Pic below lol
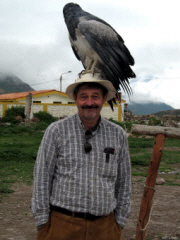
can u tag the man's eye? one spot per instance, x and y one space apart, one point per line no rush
95 97
83 97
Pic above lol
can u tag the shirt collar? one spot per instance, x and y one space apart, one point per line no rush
94 131
79 122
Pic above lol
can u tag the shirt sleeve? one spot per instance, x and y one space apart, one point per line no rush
123 185
43 172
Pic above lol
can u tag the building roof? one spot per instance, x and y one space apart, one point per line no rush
13 96
22 95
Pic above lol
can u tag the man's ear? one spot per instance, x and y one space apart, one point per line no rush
105 98
74 96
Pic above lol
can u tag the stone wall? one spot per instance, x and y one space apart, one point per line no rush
106 112
61 110
37 108
68 110
12 105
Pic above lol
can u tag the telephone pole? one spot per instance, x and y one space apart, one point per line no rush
61 79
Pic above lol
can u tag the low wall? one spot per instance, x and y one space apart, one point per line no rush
60 110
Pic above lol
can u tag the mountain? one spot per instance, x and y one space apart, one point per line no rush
9 83
148 108
168 112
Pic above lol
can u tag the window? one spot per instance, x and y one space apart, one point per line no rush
36 101
57 102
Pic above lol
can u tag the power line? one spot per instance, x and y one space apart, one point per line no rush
58 80
44 82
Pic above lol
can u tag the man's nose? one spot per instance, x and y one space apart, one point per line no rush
89 101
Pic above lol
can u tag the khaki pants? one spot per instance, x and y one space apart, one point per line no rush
63 227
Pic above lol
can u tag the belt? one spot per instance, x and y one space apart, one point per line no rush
86 216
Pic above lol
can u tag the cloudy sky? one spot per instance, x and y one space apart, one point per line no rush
34 43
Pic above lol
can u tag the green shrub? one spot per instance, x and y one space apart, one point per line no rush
45 117
125 125
154 121
13 112
128 125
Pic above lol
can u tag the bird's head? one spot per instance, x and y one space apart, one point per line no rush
71 8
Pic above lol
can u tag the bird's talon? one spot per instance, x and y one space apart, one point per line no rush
82 72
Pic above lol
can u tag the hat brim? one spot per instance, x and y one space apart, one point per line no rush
105 83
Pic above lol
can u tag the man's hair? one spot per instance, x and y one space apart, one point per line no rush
91 85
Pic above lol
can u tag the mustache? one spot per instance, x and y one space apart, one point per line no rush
90 107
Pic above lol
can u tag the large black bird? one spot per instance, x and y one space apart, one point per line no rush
99 47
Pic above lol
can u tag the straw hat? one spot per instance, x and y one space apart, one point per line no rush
97 78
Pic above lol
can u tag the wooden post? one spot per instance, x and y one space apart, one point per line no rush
160 134
28 106
148 194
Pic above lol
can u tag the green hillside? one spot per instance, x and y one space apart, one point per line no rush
148 108
10 84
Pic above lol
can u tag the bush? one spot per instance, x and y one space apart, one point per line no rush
13 112
154 121
125 125
45 117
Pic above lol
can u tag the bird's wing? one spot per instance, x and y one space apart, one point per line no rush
112 51
75 53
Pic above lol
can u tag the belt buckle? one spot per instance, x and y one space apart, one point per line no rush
86 215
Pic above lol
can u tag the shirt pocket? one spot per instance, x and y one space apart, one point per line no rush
69 160
108 165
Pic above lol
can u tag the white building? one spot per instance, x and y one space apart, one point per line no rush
56 103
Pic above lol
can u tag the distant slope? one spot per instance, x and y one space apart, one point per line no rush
148 108
10 84
169 112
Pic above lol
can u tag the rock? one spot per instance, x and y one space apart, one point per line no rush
35 119
19 118
165 238
133 237
177 171
178 234
160 181
7 124
62 117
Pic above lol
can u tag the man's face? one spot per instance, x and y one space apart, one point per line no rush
89 103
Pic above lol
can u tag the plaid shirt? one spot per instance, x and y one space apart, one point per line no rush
66 176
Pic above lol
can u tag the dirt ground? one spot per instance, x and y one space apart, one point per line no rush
17 223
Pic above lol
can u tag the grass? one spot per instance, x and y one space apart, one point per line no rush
141 151
19 145
171 157
172 183
171 142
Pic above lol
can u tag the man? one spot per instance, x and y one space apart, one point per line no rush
82 179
